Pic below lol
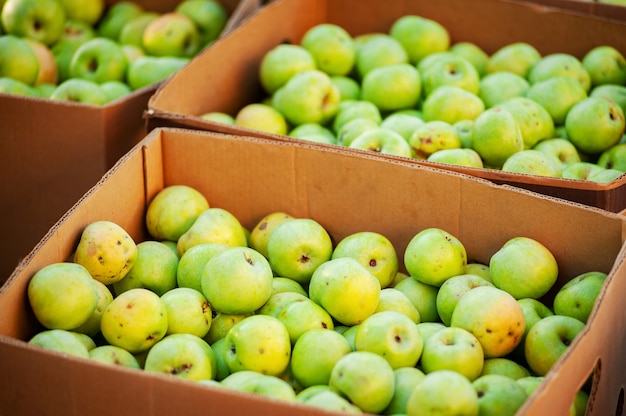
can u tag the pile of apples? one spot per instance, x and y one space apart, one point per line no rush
413 93
81 51
282 310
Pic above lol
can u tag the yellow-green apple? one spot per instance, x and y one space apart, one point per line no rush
423 296
604 175
192 262
614 157
579 170
391 299
261 384
314 355
135 320
285 284
496 135
18 60
532 162
132 53
433 255
499 395
420 36
332 47
455 349
62 295
473 53
115 17
577 297
351 110
74 34
533 310
405 380
524 267
106 250
132 31
557 95
500 86
261 231
392 87
182 355
261 117
115 89
345 289
615 92
459 156
296 248
313 131
171 34
559 64
60 340
533 119
464 128
428 60
81 91
110 354
561 150
595 124
433 136
402 123
451 104
218 117
353 129
478 268
48 70
154 268
99 60
188 312
366 379
282 62
221 369
350 334
605 65
450 70
504 367
221 324
307 97
393 336
88 11
214 225
376 51
91 326
209 16
445 391
548 339
40 20
493 316
259 343
516 57
16 87
237 281
382 140
452 290
349 88
322 396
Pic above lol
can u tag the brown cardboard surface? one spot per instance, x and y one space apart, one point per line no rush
595 8
488 23
51 153
346 192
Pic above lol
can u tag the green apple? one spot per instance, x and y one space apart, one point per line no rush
532 162
614 157
559 64
313 131
154 268
459 157
261 384
454 349
115 89
132 53
314 355
353 128
237 281
433 255
192 262
402 123
332 47
393 336
135 320
285 284
616 93
548 339
16 87
533 310
366 379
258 343
281 62
423 297
428 60
60 340
218 117
171 34
18 60
115 17
504 367
221 324
405 380
359 109
213 225
188 312
450 70
595 124
148 70
392 87
533 119
80 91
524 267
40 20
493 316
452 290
577 297
350 335
433 136
604 175
99 59
605 65
324 397
451 104
391 299
579 170
91 326
221 369
132 31
349 88
106 250
499 395
496 136
560 150
516 57
262 117
465 130
382 140
443 392
209 16
182 355
62 295
74 35
296 248
473 53
500 86
345 289
88 11
112 355
420 36
478 268
557 95
376 51
48 70
261 231
307 97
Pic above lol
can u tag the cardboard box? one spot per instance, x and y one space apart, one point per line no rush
594 8
345 192
52 152
234 83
